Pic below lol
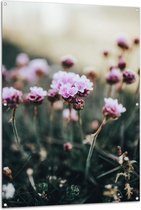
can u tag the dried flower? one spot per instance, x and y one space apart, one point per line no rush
36 95
112 108
129 77
68 147
11 96
68 61
114 76
8 191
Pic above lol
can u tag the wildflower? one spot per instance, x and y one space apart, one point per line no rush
52 95
122 43
68 61
70 115
136 41
78 104
114 76
8 191
27 74
11 96
121 63
39 67
84 86
22 59
36 95
112 108
67 90
68 147
129 77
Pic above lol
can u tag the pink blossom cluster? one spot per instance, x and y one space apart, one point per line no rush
69 85
36 95
11 96
112 108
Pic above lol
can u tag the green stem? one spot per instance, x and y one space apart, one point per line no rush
95 135
80 124
13 121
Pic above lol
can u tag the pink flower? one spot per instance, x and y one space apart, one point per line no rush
36 95
121 63
70 115
68 61
52 95
27 74
22 59
68 147
129 76
67 90
122 42
114 76
39 66
112 108
11 96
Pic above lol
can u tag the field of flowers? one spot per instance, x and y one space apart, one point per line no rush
69 136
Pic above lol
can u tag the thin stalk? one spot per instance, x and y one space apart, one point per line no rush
95 135
13 121
36 126
80 124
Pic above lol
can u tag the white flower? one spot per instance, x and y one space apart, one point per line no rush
8 191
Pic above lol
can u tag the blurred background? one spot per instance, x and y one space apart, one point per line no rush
51 30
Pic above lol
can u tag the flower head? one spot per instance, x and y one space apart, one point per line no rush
36 95
39 66
22 59
68 147
121 63
129 76
68 61
114 76
122 43
78 104
11 96
112 108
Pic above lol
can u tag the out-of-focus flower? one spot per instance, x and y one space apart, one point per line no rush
58 105
122 43
39 67
68 61
36 95
112 108
94 124
78 104
70 114
129 76
5 73
22 59
68 147
105 53
114 76
27 74
7 172
8 191
52 95
90 73
121 63
19 85
11 96
136 41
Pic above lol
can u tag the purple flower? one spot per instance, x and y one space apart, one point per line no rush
68 61
70 114
114 76
121 63
36 95
112 108
11 96
22 59
53 95
68 85
122 43
129 76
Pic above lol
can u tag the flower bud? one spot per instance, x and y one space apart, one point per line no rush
78 104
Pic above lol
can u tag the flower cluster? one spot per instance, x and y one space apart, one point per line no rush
11 96
112 108
71 86
36 95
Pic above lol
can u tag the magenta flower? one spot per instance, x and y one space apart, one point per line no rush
70 114
36 95
68 147
129 77
114 76
112 108
53 95
11 96
122 43
68 61
22 59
